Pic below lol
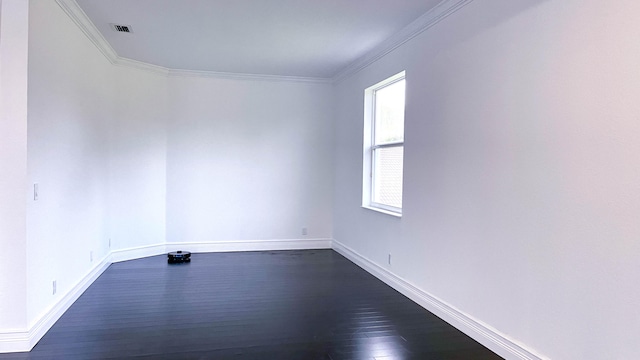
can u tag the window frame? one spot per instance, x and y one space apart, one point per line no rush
370 147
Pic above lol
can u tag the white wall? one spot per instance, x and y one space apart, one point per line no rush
70 108
137 169
521 178
248 160
94 137
97 147
522 174
14 20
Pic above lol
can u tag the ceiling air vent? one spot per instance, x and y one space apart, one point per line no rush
122 28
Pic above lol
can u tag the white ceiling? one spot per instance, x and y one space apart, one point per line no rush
302 38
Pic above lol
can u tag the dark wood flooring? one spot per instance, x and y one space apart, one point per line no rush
311 304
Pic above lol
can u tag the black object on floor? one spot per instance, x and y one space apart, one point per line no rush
179 257
311 304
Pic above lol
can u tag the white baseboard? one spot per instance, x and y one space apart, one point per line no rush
250 245
219 246
19 341
477 330
14 341
137 252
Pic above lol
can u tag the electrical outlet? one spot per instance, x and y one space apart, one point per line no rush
35 192
91 256
304 231
109 243
55 287
389 260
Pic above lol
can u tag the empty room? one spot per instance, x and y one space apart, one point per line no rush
361 179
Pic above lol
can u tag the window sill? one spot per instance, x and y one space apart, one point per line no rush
392 213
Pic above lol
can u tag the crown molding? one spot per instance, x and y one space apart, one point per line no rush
421 24
75 12
161 70
141 65
239 76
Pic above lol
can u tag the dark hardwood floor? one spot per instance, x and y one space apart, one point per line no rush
311 304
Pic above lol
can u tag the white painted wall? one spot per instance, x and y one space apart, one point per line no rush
137 170
14 34
248 160
522 174
98 139
71 101
521 180
94 137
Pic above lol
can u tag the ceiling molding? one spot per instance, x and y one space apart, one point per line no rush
75 12
141 65
424 22
237 76
421 24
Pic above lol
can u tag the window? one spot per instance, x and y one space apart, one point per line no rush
384 145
